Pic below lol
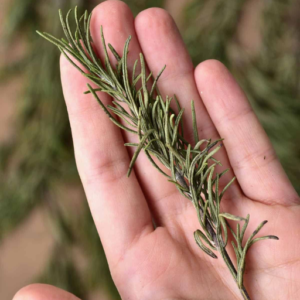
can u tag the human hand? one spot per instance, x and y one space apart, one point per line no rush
165 263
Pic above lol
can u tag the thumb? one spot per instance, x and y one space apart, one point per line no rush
43 292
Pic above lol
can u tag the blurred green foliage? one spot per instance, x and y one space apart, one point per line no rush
39 159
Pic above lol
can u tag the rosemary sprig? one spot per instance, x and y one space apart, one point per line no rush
160 132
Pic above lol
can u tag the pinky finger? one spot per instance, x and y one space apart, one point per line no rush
254 161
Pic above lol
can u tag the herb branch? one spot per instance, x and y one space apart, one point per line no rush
161 135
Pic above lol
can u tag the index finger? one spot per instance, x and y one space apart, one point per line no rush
117 203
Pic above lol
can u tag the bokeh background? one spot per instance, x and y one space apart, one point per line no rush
46 231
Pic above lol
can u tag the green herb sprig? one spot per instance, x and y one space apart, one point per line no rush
161 135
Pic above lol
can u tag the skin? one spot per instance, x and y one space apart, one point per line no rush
165 263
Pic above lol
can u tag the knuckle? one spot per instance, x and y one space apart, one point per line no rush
107 170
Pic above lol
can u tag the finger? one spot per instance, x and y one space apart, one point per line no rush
118 206
251 154
116 31
43 292
162 45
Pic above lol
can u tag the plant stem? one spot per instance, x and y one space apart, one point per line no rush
223 253
228 262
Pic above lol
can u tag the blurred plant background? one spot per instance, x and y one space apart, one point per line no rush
46 230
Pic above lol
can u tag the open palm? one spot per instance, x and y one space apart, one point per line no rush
165 262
